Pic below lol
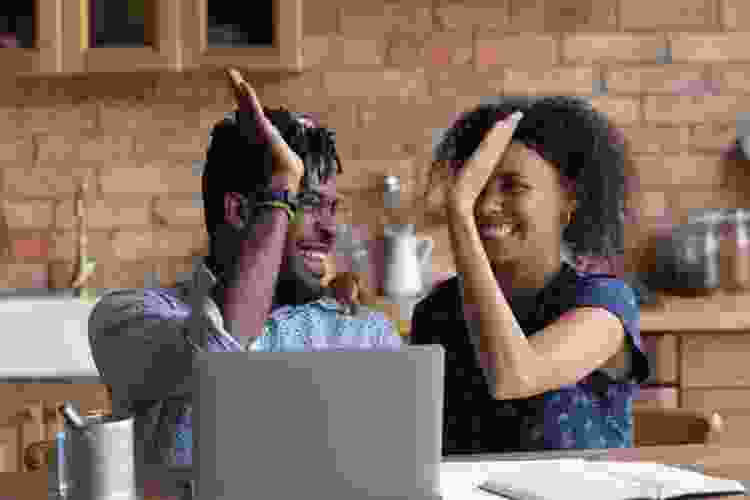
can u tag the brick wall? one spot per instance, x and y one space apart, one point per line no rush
387 76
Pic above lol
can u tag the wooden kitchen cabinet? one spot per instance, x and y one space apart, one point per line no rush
170 35
159 49
28 414
283 54
45 54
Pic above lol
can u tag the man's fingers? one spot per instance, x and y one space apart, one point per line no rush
244 94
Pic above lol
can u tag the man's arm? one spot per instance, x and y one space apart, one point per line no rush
246 305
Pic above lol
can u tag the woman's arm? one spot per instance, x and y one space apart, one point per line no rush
561 354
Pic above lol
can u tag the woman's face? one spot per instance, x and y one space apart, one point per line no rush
524 194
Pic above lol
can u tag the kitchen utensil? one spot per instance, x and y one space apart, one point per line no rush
99 458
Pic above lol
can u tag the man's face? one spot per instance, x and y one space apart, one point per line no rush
311 240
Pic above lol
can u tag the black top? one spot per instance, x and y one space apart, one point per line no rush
594 413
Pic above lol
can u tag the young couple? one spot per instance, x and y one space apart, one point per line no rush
538 355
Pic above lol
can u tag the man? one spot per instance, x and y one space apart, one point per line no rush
259 289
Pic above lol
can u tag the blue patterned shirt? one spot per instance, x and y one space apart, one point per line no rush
143 342
595 412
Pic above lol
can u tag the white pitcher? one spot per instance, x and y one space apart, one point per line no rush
405 261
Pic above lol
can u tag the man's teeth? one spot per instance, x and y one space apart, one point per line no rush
309 254
505 229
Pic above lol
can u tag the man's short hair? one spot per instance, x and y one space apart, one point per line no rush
237 162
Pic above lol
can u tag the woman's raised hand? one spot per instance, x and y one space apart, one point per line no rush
287 165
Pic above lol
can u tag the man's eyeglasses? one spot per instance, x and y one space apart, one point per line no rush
314 204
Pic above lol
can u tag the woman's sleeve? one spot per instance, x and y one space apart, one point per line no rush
618 298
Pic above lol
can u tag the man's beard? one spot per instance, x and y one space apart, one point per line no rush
296 285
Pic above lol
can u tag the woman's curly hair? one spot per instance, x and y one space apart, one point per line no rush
581 142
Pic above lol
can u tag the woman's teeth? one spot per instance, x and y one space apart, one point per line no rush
499 231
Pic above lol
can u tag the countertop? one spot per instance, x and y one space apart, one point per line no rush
720 461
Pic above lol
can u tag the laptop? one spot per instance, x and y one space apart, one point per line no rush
349 425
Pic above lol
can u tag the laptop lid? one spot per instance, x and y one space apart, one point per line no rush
326 424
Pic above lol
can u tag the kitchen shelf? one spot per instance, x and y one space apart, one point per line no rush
722 311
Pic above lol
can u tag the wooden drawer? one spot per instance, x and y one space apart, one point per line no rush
662 351
715 360
715 399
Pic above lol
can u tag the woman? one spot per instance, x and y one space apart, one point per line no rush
538 355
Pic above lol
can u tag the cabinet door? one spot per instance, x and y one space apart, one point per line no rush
266 36
121 35
715 360
31 37
20 427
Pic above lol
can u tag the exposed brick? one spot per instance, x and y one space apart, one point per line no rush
98 87
621 110
127 118
28 214
18 151
387 83
296 91
23 275
137 245
667 79
657 139
174 270
61 119
332 52
683 170
173 145
712 137
647 14
734 79
563 15
197 86
379 18
683 201
686 109
322 19
318 50
394 130
464 84
653 204
65 245
54 150
109 273
368 175
735 14
477 13
361 51
710 48
435 49
550 81
44 182
154 178
31 247
178 212
515 50
596 48
106 213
